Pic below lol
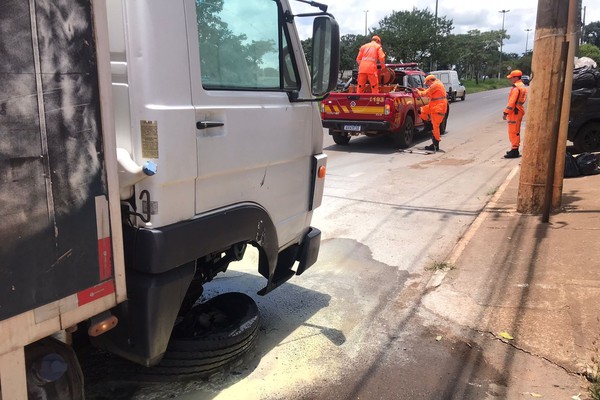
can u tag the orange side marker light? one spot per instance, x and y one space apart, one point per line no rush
322 171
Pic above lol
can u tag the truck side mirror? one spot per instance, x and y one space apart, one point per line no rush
325 55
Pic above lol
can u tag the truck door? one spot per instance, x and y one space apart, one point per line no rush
253 143
416 81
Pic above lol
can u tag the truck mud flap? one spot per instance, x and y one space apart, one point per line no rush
306 253
147 317
310 250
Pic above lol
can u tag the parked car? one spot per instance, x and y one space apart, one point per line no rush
525 79
453 86
584 121
584 115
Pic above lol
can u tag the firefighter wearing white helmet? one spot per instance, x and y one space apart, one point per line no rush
435 111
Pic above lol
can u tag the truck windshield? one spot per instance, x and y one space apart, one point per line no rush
240 46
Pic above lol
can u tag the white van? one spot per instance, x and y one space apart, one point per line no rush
453 86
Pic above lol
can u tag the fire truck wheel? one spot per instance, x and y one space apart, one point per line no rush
53 371
340 138
403 138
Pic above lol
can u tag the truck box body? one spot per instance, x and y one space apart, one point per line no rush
54 186
61 259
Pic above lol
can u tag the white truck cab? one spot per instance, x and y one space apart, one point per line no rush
215 95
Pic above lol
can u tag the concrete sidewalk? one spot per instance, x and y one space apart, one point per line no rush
538 282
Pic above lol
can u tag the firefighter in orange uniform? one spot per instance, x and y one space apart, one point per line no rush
435 111
514 112
367 64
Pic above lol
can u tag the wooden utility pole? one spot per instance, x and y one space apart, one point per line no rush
573 32
543 107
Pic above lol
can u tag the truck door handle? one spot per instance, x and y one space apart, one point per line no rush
208 124
353 97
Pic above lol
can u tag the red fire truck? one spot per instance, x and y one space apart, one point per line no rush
393 111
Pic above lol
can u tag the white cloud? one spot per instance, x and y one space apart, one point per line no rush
466 15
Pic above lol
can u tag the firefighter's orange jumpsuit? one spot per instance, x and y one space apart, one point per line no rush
367 65
514 112
435 111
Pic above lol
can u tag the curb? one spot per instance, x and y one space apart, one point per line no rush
438 276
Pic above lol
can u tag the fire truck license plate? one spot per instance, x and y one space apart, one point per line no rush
354 128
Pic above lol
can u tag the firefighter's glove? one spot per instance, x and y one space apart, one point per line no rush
504 116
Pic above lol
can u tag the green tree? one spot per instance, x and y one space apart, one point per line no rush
349 46
524 63
413 36
475 53
258 48
217 40
591 51
307 48
591 33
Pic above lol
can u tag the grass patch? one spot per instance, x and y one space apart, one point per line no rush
595 389
440 266
593 373
483 85
492 191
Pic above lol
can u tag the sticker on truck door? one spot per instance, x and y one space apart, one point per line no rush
149 133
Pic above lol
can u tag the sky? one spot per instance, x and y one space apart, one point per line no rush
465 15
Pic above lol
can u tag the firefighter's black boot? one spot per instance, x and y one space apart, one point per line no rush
514 153
434 146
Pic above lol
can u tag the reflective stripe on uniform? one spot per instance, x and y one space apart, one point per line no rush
437 98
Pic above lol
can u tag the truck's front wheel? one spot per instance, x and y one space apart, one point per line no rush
403 138
340 138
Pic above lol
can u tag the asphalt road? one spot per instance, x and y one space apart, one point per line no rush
353 326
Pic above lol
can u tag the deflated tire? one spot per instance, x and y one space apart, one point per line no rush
212 337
